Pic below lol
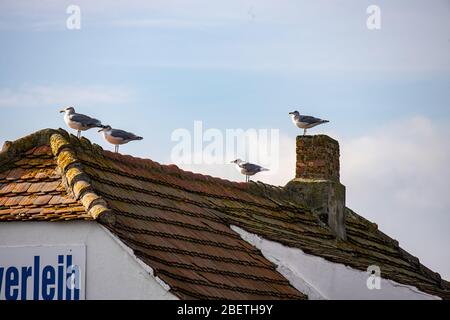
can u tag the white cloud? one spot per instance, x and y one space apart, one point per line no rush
409 159
399 177
56 95
286 169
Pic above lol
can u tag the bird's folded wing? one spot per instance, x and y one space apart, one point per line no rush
123 134
309 119
86 120
250 167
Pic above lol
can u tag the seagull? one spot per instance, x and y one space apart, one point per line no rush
78 121
305 122
248 169
117 136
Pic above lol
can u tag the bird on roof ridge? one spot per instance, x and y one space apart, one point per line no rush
78 121
305 122
248 169
117 136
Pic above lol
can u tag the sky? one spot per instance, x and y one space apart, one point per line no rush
155 67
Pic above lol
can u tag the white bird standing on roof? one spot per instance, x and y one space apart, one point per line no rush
78 121
117 136
248 169
305 122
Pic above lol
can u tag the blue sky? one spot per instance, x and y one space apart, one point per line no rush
154 66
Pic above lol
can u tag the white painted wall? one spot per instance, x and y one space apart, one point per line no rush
113 272
321 279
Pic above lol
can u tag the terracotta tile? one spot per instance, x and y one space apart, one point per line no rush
36 187
28 174
4 174
33 211
6 188
15 174
59 199
5 212
42 150
13 201
41 175
50 186
3 200
21 187
30 151
42 200
27 200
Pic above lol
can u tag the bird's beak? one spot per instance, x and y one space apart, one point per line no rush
61 111
231 161
101 129
290 112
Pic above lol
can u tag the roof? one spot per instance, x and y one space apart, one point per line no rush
178 222
31 188
52 176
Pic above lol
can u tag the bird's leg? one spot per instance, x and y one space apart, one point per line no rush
79 134
116 148
304 132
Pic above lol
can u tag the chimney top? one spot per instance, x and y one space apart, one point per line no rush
317 158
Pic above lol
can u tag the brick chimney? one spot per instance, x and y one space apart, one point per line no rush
316 182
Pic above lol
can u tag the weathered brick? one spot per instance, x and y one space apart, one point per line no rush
317 158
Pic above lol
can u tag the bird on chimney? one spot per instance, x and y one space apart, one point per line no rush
117 136
248 169
305 122
78 121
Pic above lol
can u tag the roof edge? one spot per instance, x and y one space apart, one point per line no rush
440 282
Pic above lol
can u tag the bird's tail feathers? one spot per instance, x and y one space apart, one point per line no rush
264 169
138 138
324 121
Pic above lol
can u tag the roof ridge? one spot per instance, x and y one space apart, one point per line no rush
283 197
171 169
43 136
275 194
75 179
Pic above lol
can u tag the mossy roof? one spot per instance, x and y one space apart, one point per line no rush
51 176
178 222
